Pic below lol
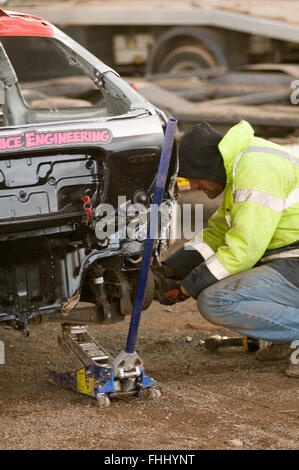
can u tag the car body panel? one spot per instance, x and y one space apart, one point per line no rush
53 158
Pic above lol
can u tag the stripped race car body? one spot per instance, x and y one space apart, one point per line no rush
61 169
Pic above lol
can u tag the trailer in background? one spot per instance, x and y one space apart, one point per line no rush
154 36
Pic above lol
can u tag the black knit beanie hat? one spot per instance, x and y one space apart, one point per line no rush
199 156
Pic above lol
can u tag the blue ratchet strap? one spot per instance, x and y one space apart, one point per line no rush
152 229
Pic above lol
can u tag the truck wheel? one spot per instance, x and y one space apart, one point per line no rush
184 48
186 59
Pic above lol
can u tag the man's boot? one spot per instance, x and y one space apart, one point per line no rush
274 352
167 290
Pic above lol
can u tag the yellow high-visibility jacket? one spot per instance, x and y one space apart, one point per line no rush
260 210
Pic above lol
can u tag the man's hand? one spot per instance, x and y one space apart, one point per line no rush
184 291
168 291
173 296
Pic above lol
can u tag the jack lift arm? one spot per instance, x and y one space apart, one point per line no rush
99 375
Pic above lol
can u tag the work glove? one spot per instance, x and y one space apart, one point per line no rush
167 290
172 297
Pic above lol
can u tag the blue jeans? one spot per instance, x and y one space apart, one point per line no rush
259 303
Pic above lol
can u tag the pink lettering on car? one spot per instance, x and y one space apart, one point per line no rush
48 139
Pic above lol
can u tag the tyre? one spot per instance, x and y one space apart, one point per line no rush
186 59
149 291
183 49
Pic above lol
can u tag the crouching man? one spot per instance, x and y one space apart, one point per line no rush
244 268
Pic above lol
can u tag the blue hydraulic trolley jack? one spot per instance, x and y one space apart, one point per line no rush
98 374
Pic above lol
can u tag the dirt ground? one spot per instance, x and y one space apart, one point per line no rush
226 400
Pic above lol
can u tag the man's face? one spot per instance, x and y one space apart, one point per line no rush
211 188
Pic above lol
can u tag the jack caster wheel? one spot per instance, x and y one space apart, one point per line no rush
154 393
103 401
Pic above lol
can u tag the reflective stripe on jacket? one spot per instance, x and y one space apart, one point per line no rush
260 210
